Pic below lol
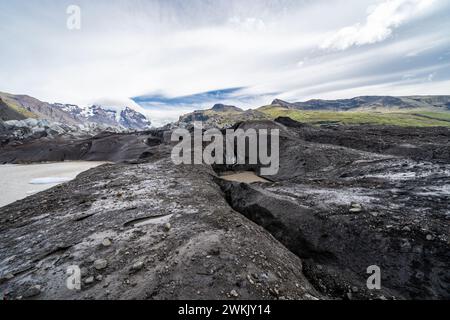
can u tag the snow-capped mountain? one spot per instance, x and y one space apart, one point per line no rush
123 117
21 107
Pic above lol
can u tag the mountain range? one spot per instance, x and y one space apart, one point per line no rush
21 107
411 111
380 110
370 103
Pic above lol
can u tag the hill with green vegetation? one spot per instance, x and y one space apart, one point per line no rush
11 110
21 107
404 117
411 111
221 116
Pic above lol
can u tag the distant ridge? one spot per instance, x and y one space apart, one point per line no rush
225 108
370 102
409 111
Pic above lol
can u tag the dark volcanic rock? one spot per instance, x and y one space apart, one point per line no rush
344 199
429 144
342 210
208 251
115 147
342 242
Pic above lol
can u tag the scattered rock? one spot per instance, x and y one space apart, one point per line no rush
234 293
137 266
167 227
8 276
100 264
355 210
275 292
106 242
33 291
89 280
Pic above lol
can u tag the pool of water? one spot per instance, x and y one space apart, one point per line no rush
245 177
20 181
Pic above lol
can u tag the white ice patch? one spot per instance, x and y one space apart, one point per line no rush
87 112
50 180
394 176
343 196
409 175
157 220
435 191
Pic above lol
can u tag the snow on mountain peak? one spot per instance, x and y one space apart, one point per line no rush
120 104
126 117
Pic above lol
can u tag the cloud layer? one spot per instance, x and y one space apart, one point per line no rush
379 25
171 49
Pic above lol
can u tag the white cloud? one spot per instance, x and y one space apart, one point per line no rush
179 48
379 25
392 88
163 115
248 24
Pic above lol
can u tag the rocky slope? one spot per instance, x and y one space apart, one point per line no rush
220 116
342 209
148 231
125 118
108 146
371 102
17 132
8 113
144 228
20 107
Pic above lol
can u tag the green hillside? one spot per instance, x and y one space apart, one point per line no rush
14 107
409 118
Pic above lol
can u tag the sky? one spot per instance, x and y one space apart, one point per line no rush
174 56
